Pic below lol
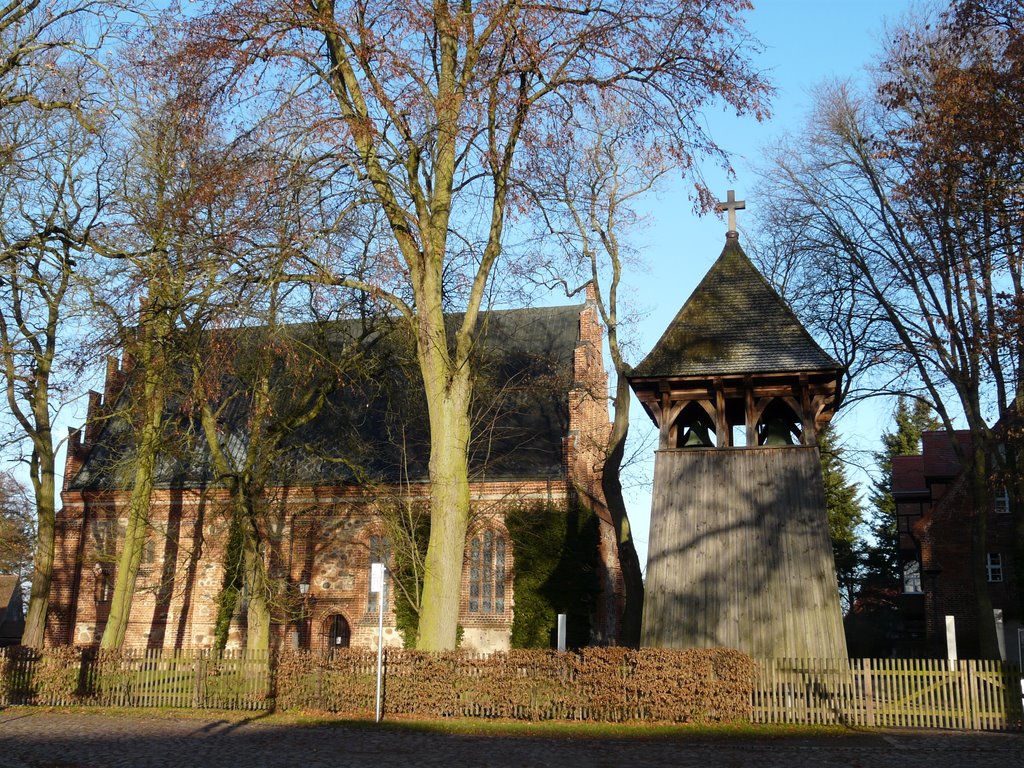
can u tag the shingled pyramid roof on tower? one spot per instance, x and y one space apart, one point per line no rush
734 323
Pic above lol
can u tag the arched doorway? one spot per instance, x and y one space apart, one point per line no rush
336 632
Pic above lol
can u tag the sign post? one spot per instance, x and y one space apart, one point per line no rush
951 642
377 571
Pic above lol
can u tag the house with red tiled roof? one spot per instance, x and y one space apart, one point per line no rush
938 557
12 610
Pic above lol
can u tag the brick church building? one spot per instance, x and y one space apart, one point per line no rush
542 419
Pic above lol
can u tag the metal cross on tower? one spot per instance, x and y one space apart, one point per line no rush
731 204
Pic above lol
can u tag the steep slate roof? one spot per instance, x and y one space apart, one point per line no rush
374 425
734 322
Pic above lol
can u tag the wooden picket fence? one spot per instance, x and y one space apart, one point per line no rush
199 679
893 693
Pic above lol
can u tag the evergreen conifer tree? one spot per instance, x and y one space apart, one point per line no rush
844 515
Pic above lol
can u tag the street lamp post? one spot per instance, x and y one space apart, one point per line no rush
377 573
305 617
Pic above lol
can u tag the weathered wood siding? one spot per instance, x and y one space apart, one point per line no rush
739 554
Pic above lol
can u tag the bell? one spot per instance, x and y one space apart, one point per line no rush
777 432
697 437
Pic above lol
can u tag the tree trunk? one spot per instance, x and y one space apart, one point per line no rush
257 635
44 480
1015 491
154 393
44 486
449 514
988 645
611 485
234 578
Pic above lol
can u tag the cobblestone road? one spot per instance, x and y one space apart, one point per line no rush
31 738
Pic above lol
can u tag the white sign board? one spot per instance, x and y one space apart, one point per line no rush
376 577
997 615
951 641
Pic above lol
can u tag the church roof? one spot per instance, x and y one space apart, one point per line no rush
734 323
373 426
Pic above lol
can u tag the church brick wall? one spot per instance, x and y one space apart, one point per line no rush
321 537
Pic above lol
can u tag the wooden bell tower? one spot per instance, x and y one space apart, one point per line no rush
739 551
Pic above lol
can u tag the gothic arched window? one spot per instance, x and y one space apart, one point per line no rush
487 572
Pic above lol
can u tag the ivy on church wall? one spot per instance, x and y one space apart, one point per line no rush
555 550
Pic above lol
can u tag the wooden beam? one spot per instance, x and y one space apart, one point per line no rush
807 416
665 423
749 415
723 434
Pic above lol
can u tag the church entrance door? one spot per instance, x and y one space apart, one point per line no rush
336 632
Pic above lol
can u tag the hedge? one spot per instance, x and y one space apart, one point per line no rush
595 684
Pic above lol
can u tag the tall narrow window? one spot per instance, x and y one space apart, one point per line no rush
486 570
380 552
474 575
499 575
487 573
104 584
994 566
912 576
149 551
1001 501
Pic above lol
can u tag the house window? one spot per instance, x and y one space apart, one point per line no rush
994 566
1002 501
380 552
487 573
912 576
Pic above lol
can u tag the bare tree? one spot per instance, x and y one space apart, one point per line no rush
587 205
169 241
49 206
51 103
38 38
426 109
906 243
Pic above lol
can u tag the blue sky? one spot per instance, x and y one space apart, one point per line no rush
807 42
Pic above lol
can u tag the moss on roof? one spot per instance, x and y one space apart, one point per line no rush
734 322
374 423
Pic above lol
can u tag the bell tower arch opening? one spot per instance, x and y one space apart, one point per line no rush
694 427
779 425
